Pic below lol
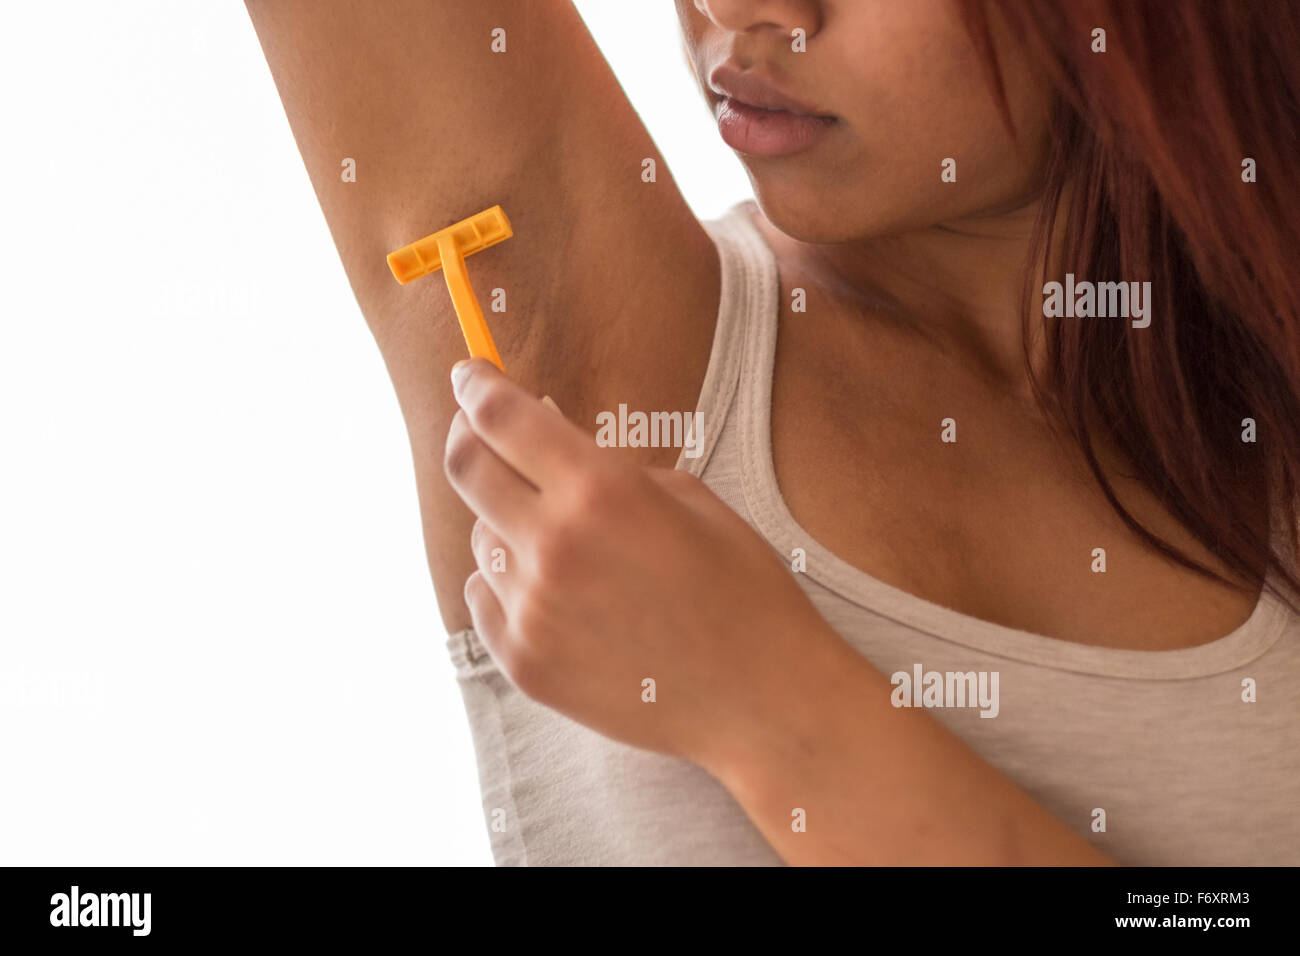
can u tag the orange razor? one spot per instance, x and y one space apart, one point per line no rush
447 249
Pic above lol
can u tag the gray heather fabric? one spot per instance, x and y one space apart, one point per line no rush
1186 772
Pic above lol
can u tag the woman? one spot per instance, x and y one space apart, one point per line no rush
960 566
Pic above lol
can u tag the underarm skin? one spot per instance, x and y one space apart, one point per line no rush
601 307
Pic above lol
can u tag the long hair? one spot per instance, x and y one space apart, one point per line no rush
1153 144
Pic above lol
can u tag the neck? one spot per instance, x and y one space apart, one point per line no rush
958 284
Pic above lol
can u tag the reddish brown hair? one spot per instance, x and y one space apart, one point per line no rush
1150 139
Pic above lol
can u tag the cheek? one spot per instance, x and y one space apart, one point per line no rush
692 25
907 106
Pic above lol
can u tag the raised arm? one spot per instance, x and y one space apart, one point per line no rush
448 107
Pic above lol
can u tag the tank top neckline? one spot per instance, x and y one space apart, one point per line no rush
738 382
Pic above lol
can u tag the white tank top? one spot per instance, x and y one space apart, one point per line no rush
1185 769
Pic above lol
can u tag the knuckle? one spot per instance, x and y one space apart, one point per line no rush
530 622
525 672
462 449
556 549
598 492
494 409
532 651
473 584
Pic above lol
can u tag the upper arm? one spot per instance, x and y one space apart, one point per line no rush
610 281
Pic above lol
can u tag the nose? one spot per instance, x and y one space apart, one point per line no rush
780 16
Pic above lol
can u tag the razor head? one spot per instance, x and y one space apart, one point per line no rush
470 236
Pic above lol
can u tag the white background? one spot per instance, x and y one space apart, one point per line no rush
218 640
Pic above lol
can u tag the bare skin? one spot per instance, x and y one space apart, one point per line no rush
756 688
913 312
1000 525
602 308
912 288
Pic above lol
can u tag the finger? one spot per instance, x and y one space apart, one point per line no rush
703 504
486 614
493 490
492 556
686 488
542 446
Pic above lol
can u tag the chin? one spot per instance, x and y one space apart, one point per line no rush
815 214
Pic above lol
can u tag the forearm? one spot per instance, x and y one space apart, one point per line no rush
880 785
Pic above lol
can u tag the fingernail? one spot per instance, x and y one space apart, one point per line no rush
459 372
550 403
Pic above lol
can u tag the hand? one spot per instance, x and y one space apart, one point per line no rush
596 576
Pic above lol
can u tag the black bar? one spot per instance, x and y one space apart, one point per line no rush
381 908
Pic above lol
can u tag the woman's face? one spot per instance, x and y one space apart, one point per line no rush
882 94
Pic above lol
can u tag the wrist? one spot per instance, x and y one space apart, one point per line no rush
786 717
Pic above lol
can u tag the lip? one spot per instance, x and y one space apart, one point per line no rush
750 89
757 118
